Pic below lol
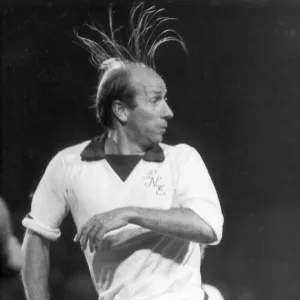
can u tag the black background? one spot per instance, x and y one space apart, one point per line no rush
235 98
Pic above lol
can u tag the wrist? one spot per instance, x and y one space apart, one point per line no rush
131 213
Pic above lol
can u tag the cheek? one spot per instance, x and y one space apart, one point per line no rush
141 120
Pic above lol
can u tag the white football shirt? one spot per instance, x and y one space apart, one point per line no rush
133 263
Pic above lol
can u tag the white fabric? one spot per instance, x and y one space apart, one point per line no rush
49 206
46 231
133 263
212 292
196 191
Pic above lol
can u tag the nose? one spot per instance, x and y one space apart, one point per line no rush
167 112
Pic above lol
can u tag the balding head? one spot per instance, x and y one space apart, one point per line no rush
145 122
120 82
144 78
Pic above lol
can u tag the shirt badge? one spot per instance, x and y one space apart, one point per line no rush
153 180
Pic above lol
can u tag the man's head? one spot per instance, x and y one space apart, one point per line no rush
133 96
11 259
127 72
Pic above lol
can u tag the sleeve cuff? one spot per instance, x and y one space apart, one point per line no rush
210 214
45 231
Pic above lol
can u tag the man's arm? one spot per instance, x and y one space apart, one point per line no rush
48 209
198 218
35 273
178 222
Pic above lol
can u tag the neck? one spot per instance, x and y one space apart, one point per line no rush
119 143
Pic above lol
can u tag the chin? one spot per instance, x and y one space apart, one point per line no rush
153 139
157 139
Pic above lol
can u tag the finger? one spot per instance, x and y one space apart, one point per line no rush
79 234
99 238
85 236
92 237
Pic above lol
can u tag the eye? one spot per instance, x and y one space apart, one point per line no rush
156 99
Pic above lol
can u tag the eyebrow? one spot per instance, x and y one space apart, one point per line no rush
158 93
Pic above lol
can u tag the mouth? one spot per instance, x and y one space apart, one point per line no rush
164 128
165 125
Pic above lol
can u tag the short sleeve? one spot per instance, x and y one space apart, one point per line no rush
195 190
49 206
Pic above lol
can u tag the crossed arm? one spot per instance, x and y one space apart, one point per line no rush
178 222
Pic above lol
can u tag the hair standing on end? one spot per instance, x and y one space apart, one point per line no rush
112 59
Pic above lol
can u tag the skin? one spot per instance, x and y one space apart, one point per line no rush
11 248
146 123
35 274
178 222
135 130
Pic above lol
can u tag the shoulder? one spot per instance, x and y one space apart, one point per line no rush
179 151
62 163
74 149
181 154
72 153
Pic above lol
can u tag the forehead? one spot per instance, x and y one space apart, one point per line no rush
147 81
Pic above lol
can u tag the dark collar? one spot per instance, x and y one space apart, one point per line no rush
95 151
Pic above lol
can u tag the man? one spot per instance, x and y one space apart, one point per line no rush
11 259
141 207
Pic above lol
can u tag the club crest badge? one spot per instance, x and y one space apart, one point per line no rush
154 180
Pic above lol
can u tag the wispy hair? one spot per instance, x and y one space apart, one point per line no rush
145 37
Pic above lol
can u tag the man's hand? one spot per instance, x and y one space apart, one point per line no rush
100 224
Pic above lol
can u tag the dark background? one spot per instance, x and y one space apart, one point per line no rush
235 97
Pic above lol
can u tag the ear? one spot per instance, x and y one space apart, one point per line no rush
120 111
